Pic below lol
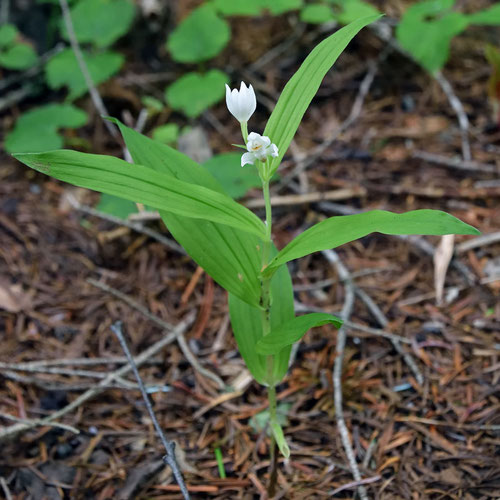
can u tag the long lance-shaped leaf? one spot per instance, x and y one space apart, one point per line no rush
336 231
230 256
292 331
111 175
302 87
247 327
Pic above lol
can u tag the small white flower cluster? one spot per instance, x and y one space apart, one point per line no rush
241 104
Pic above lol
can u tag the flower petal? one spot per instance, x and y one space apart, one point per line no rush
247 158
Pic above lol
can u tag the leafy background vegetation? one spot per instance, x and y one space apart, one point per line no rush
425 30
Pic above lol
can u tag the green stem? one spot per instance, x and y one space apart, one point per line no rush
266 329
244 131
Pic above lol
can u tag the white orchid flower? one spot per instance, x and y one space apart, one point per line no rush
259 148
241 103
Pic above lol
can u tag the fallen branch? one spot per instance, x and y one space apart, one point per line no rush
467 165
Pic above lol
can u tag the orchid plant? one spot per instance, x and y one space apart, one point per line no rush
230 242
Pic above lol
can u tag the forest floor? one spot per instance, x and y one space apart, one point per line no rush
423 411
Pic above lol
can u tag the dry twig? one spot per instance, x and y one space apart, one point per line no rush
463 121
94 94
383 321
139 360
5 489
136 226
344 274
38 422
163 324
169 459
467 165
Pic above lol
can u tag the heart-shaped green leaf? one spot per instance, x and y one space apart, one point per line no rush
200 36
37 129
193 93
101 22
63 70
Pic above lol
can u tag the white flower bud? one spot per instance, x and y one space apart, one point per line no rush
241 103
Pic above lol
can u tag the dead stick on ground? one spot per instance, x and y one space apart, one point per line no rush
5 489
463 121
139 360
169 459
47 363
344 274
163 324
135 226
383 321
469 166
35 422
94 94
296 199
483 240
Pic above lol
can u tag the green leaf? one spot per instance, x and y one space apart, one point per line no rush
489 16
237 7
63 70
427 29
168 133
260 420
230 256
301 88
280 439
256 7
336 231
153 105
114 205
278 7
200 36
290 332
193 93
247 327
350 10
37 129
235 180
18 56
111 175
8 34
316 13
100 22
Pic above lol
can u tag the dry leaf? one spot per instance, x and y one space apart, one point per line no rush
442 259
12 298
